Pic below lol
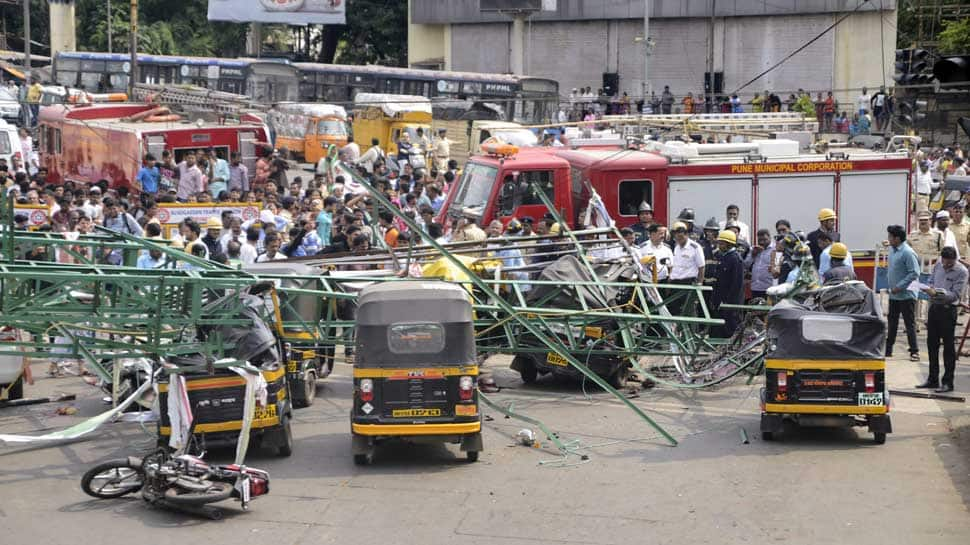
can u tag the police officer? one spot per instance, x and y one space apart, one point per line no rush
644 220
947 282
729 287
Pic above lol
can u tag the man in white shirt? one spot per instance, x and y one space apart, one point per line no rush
350 152
943 226
863 102
687 266
656 247
372 155
734 213
925 185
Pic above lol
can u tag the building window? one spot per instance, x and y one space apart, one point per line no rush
633 192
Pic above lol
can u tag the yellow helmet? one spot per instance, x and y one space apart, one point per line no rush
678 226
826 214
213 223
728 236
838 251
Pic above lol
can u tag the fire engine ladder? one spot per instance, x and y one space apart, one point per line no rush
193 98
761 122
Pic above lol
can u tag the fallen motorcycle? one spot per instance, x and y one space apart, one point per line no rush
185 483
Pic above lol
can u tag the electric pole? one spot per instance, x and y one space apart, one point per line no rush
647 4
109 26
133 49
26 42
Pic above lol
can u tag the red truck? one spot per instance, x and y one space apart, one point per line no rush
90 143
768 181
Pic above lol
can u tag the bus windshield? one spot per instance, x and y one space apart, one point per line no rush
475 188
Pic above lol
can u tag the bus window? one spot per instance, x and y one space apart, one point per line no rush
90 81
67 78
633 192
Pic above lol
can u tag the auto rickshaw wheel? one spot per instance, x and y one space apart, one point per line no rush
618 379
16 390
471 456
364 459
309 388
526 366
767 436
880 437
284 446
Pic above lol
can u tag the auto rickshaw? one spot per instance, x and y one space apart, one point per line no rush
217 395
824 364
302 326
415 374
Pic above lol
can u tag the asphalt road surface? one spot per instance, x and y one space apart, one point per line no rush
813 486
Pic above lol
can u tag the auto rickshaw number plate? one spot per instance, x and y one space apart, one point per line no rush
262 413
408 413
868 400
553 358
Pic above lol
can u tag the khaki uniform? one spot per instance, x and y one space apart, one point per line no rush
926 245
442 152
961 232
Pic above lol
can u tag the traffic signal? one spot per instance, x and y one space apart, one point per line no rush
954 69
912 67
910 112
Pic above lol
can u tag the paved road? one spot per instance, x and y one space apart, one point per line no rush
816 486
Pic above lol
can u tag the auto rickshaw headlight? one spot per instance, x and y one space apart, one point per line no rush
465 387
366 389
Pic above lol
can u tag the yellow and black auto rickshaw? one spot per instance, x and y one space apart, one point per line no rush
825 364
217 395
415 374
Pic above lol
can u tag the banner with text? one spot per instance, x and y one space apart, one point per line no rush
291 12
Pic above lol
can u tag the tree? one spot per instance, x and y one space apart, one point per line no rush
376 33
955 37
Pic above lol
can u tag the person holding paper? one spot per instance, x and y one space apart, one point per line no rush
947 282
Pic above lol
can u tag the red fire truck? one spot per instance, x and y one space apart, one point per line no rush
90 143
768 180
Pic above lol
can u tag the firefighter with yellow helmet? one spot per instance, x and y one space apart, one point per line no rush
729 287
826 224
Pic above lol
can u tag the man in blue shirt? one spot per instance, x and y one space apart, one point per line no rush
154 259
325 221
903 270
148 175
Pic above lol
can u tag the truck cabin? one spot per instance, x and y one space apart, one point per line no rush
500 187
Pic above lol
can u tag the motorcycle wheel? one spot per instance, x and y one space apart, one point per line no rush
217 491
112 479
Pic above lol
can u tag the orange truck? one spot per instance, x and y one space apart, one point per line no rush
308 129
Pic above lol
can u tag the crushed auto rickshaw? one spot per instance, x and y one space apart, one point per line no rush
416 369
217 395
824 364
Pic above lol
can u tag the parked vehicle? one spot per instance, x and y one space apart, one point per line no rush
9 106
868 190
10 143
301 324
415 371
825 364
386 117
100 141
184 482
308 129
11 368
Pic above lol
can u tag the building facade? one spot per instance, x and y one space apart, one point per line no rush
590 43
